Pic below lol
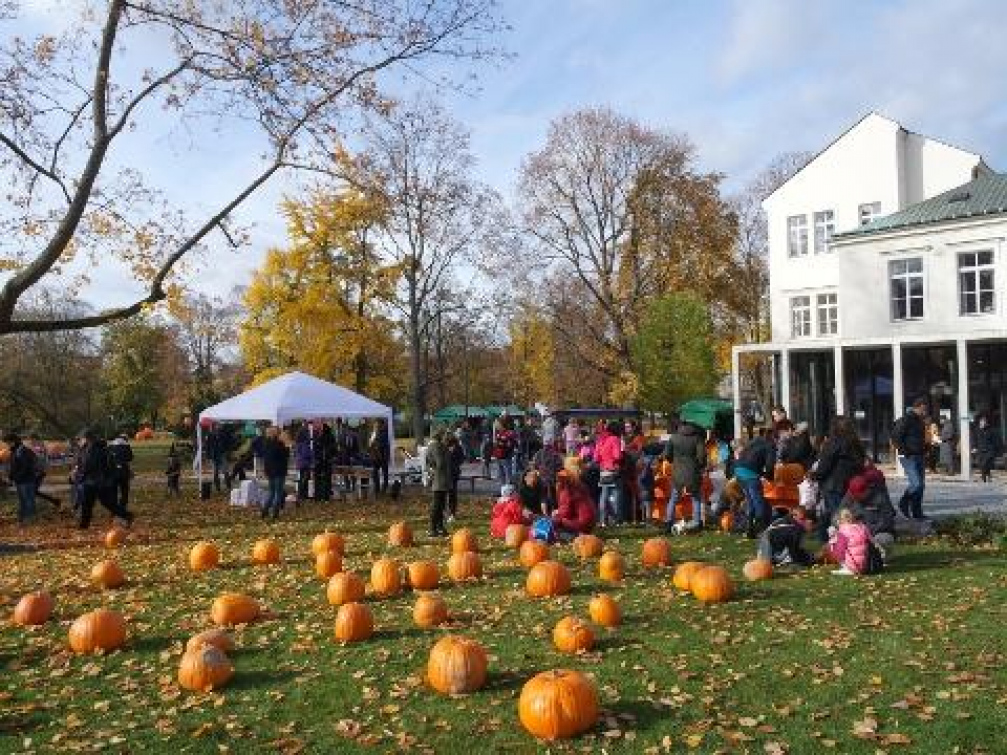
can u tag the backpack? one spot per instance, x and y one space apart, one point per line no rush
874 562
543 530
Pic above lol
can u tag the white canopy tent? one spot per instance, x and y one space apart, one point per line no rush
294 396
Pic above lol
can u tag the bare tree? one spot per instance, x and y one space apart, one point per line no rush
419 160
207 330
293 73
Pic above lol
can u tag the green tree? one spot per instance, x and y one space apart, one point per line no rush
674 352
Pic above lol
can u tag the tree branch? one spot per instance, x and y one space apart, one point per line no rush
37 167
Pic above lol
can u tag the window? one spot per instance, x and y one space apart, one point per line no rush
869 211
907 288
797 235
828 314
975 282
800 316
825 225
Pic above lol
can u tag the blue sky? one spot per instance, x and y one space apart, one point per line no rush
745 79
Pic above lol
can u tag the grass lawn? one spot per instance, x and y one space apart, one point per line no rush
911 661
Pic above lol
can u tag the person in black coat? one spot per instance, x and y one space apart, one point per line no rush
22 475
797 449
782 542
456 457
909 435
841 459
122 463
989 446
323 448
275 463
97 481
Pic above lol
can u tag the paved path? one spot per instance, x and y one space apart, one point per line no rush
948 497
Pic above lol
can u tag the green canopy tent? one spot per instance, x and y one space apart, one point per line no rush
456 412
495 410
710 414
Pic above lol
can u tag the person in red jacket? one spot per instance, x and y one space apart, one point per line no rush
575 514
507 511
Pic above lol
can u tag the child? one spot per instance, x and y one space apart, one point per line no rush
508 511
781 542
850 544
532 493
173 472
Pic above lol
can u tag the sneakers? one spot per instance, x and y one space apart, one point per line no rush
843 572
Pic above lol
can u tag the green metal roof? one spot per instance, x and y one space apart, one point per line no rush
986 195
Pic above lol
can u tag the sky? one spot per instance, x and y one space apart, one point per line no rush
745 79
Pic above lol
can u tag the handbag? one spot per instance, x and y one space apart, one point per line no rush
609 476
543 529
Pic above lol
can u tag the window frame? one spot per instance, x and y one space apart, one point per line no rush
832 310
875 212
975 270
906 277
802 232
807 319
829 227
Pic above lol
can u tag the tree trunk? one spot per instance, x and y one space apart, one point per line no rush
419 392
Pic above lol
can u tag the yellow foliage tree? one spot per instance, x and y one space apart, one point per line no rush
319 304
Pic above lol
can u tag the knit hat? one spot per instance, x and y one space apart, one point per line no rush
858 487
506 491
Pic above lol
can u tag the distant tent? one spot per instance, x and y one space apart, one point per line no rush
455 412
709 413
495 410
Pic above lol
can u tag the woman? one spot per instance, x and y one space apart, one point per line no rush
275 462
439 474
687 450
608 453
841 459
303 462
532 493
575 514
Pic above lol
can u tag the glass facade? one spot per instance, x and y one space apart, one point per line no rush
869 384
988 383
812 389
931 372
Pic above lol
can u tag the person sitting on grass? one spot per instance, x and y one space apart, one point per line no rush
575 514
850 543
867 497
531 490
507 511
173 473
782 541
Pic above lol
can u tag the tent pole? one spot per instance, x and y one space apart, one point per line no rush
390 419
199 455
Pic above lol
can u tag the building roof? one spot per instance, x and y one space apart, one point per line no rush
983 196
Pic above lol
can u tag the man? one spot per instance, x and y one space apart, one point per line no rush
380 452
96 480
216 452
687 450
122 460
22 476
439 474
41 469
550 427
756 460
909 436
988 447
275 462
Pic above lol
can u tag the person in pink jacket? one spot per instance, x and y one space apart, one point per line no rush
849 544
608 453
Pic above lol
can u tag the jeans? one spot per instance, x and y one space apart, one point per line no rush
437 505
276 494
303 480
610 495
758 509
506 471
379 476
697 508
912 498
832 501
25 501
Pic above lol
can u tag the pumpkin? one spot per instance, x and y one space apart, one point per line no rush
558 704
604 611
573 635
204 556
218 638
533 552
231 608
400 535
430 610
656 552
758 569
515 535
114 538
457 665
727 521
733 491
33 609
265 552
612 566
788 474
424 575
98 630
548 578
464 566
588 546
712 584
107 575
386 576
328 563
464 541
345 587
328 541
205 668
354 622
683 575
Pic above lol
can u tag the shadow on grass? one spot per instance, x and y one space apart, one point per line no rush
928 560
152 643
507 681
644 715
257 678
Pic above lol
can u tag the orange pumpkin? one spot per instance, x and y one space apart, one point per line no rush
612 566
733 491
712 584
457 666
204 556
464 566
558 704
328 563
758 569
533 552
515 535
430 611
656 552
727 521
386 576
424 575
107 575
232 608
33 609
345 587
354 622
683 574
573 635
218 638
548 578
265 552
204 668
114 538
100 630
400 535
788 475
328 541
588 546
464 541
604 611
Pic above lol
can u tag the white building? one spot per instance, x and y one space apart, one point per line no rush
886 284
